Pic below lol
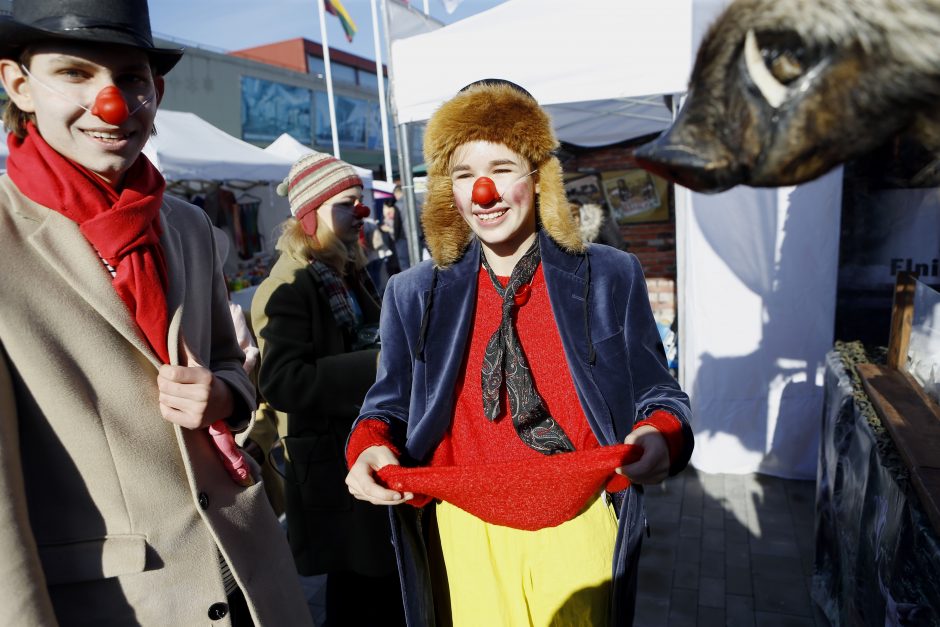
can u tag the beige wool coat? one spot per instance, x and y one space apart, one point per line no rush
109 514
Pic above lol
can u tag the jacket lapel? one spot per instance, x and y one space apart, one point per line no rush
564 278
176 282
448 331
62 245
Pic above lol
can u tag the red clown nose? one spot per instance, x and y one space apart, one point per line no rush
360 210
484 191
110 106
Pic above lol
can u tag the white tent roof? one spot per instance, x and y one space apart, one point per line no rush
287 147
186 147
599 67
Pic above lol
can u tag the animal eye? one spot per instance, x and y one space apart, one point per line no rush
773 61
785 55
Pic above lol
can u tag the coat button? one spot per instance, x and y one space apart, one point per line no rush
218 611
204 502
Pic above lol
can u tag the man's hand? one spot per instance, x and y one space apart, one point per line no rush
653 466
361 478
190 395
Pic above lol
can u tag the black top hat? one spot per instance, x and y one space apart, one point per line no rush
125 22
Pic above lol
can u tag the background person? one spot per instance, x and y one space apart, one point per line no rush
393 232
472 373
117 352
315 317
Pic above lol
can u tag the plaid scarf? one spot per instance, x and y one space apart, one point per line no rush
344 309
504 358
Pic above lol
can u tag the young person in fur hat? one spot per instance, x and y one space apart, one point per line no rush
315 317
515 343
123 500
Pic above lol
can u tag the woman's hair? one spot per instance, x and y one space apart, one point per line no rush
328 248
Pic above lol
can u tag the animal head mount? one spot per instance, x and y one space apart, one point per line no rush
782 91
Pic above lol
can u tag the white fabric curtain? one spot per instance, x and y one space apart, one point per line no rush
757 312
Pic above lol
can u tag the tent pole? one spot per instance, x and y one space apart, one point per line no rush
408 189
383 112
329 78
404 155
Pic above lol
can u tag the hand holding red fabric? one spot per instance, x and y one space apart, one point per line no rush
653 466
361 478
525 494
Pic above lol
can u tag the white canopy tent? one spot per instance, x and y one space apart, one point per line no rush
756 268
599 67
287 147
187 148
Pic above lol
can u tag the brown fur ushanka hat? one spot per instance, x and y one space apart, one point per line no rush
502 113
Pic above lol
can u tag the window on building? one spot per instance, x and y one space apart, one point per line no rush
368 80
316 66
343 73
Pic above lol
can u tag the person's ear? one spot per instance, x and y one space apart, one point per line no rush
160 85
16 86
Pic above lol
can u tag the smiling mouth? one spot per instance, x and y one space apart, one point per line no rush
107 136
491 215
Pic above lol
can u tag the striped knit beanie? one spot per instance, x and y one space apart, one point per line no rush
314 179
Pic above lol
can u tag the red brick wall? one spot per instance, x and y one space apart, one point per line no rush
654 243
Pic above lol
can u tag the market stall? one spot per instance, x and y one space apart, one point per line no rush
234 182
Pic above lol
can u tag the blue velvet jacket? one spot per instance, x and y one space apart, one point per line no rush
612 349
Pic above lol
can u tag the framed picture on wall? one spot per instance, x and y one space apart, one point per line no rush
584 188
636 196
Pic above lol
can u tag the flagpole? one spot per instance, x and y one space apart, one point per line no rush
329 78
383 111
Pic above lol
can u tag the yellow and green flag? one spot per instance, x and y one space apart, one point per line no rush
335 7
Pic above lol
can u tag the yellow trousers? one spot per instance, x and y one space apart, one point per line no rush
552 577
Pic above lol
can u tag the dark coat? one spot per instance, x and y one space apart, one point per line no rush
309 373
626 381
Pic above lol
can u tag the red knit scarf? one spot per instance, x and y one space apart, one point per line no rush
124 227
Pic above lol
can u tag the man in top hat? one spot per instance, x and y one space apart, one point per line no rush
123 499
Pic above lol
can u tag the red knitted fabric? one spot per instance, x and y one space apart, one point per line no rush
525 494
369 433
483 467
670 428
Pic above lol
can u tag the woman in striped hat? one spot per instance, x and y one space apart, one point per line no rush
315 317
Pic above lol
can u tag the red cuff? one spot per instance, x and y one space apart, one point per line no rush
369 432
671 429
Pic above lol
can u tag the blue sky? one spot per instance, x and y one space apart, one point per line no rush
235 24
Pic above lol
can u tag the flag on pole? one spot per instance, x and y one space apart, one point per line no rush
335 7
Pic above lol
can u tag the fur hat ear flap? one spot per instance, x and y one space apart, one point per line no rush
446 233
554 212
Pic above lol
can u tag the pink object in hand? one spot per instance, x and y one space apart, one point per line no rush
232 458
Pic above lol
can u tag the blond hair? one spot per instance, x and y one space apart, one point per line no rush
296 244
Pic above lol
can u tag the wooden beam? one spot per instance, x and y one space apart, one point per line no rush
913 420
902 312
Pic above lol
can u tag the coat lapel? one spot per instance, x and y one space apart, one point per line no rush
176 282
62 245
449 329
564 278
